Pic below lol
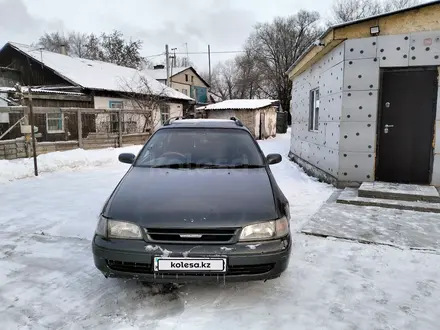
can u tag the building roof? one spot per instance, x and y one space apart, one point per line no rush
98 75
161 74
240 104
35 90
345 24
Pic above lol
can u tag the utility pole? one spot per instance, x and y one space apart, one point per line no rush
174 57
209 63
167 64
32 120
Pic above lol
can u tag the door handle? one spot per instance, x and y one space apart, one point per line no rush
386 129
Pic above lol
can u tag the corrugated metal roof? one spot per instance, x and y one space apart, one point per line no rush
40 91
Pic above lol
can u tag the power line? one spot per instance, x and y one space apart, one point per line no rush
200 53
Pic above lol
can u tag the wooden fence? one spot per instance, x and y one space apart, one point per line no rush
18 148
84 128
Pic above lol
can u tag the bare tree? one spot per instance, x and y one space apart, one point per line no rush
53 42
269 52
392 5
275 46
151 98
77 44
112 47
351 10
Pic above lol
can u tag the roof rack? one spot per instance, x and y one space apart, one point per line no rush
237 121
172 119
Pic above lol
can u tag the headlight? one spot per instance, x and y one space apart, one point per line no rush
118 229
265 230
101 228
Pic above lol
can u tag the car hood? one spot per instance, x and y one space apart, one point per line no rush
153 197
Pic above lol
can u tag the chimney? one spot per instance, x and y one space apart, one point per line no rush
63 49
159 66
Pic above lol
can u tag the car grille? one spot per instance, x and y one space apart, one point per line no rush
199 236
130 267
142 268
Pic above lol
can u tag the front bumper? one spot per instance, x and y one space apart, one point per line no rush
245 261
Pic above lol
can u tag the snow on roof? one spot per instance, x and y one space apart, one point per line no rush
24 89
161 74
240 104
99 75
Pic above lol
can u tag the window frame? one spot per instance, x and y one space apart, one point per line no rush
164 109
62 130
114 119
314 102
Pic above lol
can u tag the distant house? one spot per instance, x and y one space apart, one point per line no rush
9 77
259 116
183 79
53 126
366 102
110 86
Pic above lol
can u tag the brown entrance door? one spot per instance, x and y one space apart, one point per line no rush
406 125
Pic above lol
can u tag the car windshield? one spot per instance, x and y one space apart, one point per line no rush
198 147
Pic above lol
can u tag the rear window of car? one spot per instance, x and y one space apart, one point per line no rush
200 146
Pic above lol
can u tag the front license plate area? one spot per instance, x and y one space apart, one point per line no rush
189 265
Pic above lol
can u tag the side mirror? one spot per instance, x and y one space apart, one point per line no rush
127 158
273 159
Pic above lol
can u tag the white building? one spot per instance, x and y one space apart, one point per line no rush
365 103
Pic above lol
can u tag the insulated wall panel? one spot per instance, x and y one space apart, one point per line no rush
357 137
330 108
357 49
356 166
393 51
361 75
424 48
360 106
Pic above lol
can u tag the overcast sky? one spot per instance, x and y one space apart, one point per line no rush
224 24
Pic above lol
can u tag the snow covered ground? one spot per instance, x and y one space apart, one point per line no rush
48 280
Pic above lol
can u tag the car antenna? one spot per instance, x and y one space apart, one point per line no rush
237 121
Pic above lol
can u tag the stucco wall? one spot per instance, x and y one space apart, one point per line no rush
180 78
179 87
251 119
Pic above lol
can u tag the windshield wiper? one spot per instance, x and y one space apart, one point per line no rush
184 165
241 166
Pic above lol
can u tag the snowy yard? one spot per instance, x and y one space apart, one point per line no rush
48 279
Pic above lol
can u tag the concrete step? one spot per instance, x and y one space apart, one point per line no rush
403 192
350 196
